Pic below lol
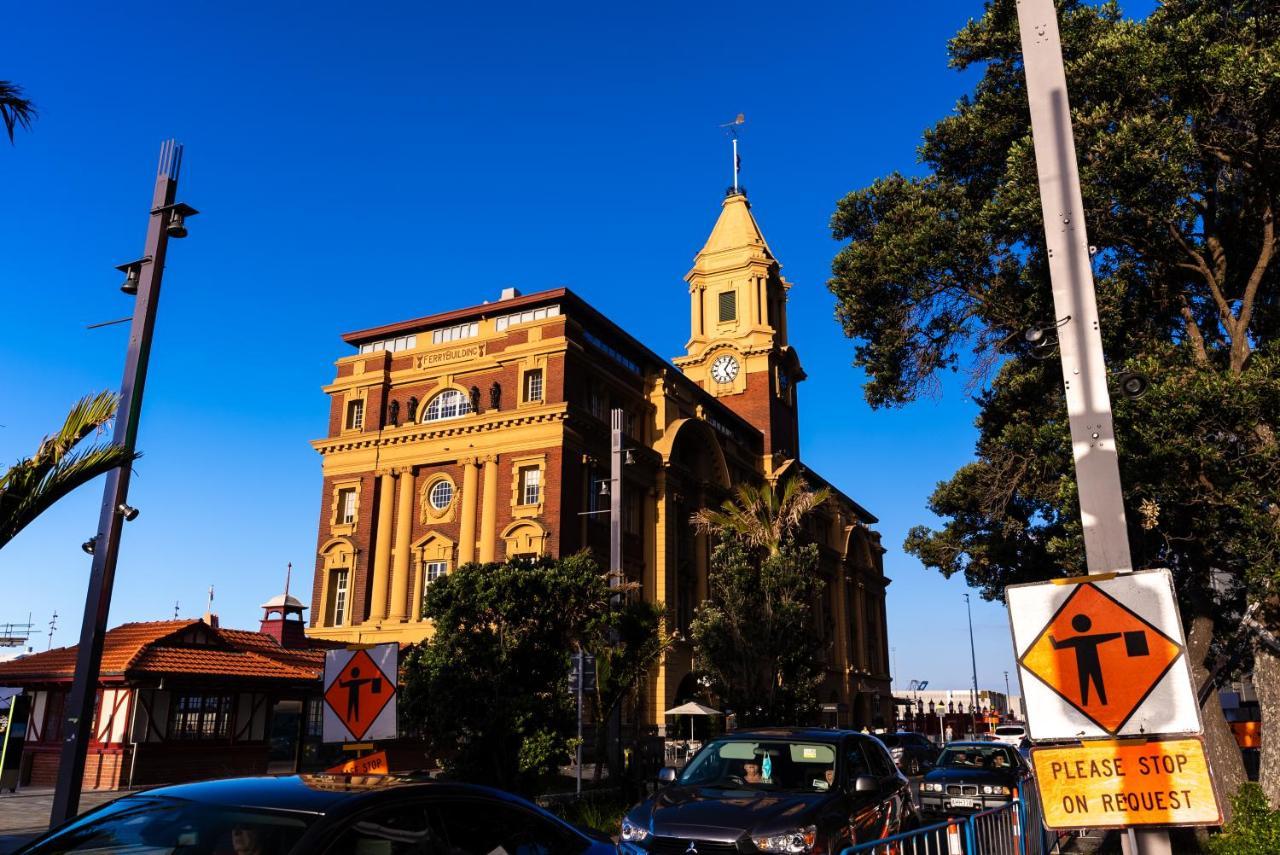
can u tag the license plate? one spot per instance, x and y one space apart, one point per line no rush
967 803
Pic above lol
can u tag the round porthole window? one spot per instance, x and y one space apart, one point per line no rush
441 495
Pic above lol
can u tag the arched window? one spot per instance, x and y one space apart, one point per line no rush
449 404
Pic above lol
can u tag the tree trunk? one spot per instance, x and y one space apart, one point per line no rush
1266 681
1225 764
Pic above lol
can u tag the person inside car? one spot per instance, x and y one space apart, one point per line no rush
751 773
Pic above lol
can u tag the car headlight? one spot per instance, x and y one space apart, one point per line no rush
995 791
931 788
793 842
633 833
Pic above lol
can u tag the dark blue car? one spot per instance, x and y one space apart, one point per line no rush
322 814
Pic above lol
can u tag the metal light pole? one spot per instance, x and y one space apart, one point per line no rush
166 220
972 654
1084 371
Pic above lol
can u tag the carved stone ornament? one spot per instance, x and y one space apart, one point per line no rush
393 414
495 396
475 399
413 409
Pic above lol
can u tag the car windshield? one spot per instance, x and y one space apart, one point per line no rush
890 740
158 826
977 757
798 767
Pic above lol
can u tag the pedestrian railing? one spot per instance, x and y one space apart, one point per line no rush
1011 829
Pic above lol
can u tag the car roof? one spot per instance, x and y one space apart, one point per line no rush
808 734
977 744
317 794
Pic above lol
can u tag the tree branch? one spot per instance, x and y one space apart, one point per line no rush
1200 265
1240 348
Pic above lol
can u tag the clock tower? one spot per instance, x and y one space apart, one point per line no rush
737 348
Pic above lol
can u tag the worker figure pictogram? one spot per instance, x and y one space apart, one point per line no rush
353 691
1087 664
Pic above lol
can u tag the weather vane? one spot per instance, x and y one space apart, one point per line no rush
731 128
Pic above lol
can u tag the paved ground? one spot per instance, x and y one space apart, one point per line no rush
25 814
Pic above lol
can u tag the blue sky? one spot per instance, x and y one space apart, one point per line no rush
357 164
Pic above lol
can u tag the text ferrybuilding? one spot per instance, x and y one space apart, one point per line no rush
483 433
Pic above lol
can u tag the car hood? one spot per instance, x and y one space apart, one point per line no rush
713 813
965 775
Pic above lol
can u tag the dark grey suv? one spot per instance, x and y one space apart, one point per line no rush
785 791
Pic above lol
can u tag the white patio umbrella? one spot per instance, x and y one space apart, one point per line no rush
692 708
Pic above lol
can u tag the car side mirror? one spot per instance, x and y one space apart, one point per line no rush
666 775
865 784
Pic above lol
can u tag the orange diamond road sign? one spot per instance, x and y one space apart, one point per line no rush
1102 656
1114 783
360 693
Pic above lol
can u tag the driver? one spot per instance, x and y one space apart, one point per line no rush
247 840
751 772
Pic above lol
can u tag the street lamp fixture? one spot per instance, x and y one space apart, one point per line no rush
132 271
129 513
89 545
178 213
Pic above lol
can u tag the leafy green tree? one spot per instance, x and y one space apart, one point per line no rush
15 110
754 637
1177 123
490 690
32 485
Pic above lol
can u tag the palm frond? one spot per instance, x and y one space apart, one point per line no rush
15 110
761 516
32 486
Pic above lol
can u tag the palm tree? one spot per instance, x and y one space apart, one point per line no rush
32 485
14 109
762 517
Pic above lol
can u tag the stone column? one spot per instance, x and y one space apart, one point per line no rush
382 549
489 512
400 573
658 679
701 558
467 537
419 588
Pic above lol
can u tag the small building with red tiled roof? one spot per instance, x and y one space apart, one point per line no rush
182 700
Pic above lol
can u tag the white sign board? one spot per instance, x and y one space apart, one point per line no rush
360 693
1102 657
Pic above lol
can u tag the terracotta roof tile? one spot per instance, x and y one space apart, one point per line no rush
212 662
120 647
150 648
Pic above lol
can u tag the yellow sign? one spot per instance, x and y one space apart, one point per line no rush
449 354
373 764
1131 782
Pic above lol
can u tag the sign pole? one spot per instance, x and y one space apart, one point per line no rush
1093 445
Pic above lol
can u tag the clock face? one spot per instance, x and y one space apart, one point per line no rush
724 369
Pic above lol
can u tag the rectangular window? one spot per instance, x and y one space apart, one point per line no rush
525 317
355 414
315 718
533 385
339 597
347 505
530 482
461 331
199 716
728 306
436 570
54 710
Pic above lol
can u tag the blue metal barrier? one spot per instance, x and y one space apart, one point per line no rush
1011 829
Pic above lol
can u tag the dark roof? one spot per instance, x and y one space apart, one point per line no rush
318 794
810 734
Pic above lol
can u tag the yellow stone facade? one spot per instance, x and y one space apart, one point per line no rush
483 433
